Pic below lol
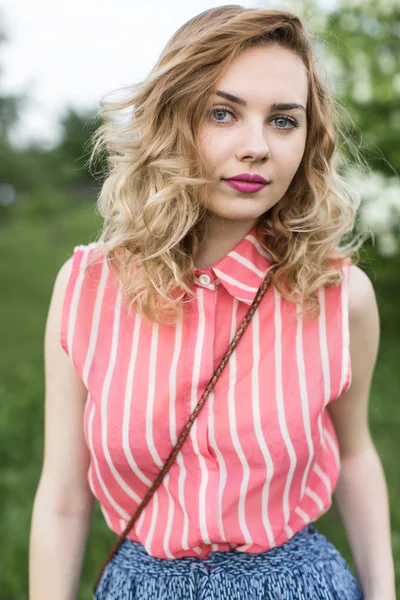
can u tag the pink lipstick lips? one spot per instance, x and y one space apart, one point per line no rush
246 182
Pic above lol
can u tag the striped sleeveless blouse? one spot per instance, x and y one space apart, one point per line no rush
262 459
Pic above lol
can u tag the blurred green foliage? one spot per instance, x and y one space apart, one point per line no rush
364 39
54 211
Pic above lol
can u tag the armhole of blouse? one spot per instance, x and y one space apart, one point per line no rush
71 296
346 361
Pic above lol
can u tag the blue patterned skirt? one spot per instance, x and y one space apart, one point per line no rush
306 567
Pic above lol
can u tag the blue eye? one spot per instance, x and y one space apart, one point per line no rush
220 110
288 120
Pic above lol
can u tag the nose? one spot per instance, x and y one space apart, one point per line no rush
254 146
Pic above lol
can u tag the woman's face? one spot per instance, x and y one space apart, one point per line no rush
249 135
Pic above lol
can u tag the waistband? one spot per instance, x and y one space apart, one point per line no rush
304 545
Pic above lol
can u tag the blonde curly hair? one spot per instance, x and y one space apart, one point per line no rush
152 198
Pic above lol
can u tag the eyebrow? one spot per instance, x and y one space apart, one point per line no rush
275 106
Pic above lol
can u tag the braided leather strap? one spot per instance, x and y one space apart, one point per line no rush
185 431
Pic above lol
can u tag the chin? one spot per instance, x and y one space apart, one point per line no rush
243 208
236 216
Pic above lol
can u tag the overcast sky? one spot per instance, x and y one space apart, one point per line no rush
74 52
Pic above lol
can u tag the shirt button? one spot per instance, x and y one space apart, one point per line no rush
204 279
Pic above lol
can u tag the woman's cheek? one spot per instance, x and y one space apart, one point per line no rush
291 158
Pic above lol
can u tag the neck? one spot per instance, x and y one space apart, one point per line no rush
220 239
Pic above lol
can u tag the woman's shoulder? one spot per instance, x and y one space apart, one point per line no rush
359 285
76 286
89 250
362 299
83 258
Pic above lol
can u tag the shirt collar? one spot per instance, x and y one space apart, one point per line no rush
242 270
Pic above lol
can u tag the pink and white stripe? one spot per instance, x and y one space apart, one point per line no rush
262 458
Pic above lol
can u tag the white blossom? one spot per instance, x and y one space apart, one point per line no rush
387 244
387 62
379 209
362 91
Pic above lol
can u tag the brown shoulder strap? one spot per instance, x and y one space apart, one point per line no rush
185 431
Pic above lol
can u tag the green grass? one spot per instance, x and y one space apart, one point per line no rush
32 252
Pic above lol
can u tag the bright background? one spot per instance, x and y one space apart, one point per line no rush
54 45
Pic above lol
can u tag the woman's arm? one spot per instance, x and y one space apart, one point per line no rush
361 494
63 504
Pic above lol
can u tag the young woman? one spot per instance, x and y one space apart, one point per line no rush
225 171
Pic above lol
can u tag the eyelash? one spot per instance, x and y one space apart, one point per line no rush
285 129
